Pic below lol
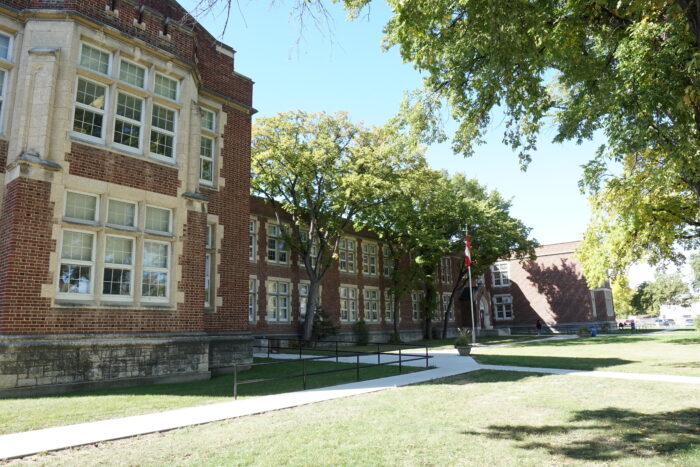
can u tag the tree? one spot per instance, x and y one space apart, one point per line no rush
666 289
318 171
695 266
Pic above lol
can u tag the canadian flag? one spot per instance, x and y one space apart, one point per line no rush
467 252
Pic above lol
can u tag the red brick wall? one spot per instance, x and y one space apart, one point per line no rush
90 162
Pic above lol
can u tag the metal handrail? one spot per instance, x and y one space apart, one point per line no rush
305 374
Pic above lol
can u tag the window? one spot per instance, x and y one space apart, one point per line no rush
131 118
252 239
417 298
208 120
163 132
132 74
3 74
103 256
348 303
446 270
128 121
90 99
277 301
209 264
388 261
94 59
303 299
5 47
503 306
252 299
388 306
165 87
445 305
346 255
207 150
369 259
499 274
371 304
312 248
276 248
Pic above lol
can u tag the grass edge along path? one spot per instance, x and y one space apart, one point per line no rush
33 413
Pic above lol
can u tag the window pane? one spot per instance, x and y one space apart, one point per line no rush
118 250
74 279
94 59
157 219
154 284
77 246
132 74
155 255
165 87
161 144
208 121
129 107
127 134
91 94
4 46
163 118
121 213
79 206
2 83
206 148
116 282
88 123
205 170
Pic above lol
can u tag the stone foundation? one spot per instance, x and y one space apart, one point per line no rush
34 365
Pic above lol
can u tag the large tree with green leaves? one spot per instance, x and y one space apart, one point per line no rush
665 289
318 171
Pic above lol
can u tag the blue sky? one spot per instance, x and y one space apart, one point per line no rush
345 69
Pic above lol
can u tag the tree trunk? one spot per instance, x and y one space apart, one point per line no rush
311 305
450 304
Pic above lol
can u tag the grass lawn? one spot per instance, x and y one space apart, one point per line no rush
489 418
672 353
33 413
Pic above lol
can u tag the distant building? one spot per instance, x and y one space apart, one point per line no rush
551 288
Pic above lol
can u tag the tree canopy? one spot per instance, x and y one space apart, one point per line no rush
665 289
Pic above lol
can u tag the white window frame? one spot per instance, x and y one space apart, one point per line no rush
85 107
370 261
278 251
166 270
210 134
347 255
500 274
252 240
273 311
348 303
210 268
92 263
129 267
416 297
170 220
141 124
445 301
177 87
446 269
77 220
504 301
370 303
389 306
156 129
252 299
99 49
10 45
134 64
121 226
387 262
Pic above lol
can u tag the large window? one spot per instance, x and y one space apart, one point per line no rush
209 267
369 259
276 248
503 306
130 101
371 304
252 239
388 261
446 270
277 301
445 304
346 255
388 307
5 56
348 303
311 248
207 150
499 274
252 299
417 299
108 255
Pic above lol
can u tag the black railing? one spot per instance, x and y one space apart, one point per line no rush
273 346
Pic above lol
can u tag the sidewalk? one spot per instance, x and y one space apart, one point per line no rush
446 363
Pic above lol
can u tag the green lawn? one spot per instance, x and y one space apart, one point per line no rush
489 418
41 412
672 353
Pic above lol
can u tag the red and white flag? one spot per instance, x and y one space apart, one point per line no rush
467 252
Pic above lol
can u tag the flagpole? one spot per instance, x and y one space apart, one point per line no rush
471 298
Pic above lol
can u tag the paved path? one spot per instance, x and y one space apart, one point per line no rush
446 363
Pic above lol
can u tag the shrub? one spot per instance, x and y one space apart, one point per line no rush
361 332
463 337
323 326
394 338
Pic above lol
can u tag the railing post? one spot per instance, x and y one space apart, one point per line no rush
269 343
379 358
357 366
235 381
426 357
303 365
300 344
399 360
336 351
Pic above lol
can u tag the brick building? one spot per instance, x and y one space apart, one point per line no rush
355 288
125 147
551 288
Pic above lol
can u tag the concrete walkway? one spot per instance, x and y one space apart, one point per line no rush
446 363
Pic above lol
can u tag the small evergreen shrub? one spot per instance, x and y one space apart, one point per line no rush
361 332
394 338
323 326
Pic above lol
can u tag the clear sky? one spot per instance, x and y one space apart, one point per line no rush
345 69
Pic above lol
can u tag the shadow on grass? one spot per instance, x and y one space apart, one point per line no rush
686 341
608 434
486 376
626 339
566 363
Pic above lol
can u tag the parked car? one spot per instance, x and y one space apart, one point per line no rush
689 322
